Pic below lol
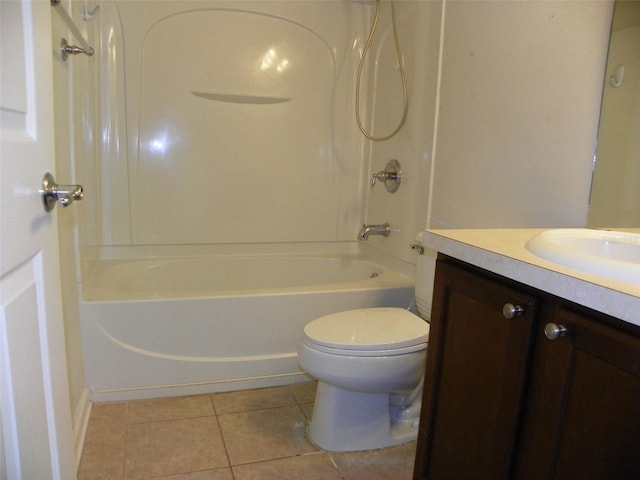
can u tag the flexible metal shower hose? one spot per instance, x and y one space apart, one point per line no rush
403 79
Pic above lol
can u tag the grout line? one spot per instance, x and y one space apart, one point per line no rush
335 465
124 440
224 444
213 404
169 419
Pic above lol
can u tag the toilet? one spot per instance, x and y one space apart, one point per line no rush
369 364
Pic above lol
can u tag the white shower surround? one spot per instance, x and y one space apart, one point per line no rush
227 137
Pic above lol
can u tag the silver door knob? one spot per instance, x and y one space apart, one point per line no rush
553 331
511 311
53 193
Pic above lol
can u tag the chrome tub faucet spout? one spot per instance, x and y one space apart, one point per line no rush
384 230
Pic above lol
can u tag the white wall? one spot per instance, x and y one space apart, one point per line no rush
519 104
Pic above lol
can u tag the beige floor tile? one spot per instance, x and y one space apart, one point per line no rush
265 434
304 392
217 474
124 440
248 400
307 467
173 446
103 453
395 463
111 413
100 471
307 409
169 408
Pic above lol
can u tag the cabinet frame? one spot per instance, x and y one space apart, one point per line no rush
460 382
557 409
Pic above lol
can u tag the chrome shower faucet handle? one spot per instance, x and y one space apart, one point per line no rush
391 176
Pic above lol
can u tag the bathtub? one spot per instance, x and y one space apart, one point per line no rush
189 325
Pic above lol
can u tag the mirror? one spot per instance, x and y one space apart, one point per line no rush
615 189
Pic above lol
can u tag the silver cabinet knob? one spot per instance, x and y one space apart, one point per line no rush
553 331
65 195
511 311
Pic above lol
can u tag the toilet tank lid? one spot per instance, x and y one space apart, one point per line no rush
368 328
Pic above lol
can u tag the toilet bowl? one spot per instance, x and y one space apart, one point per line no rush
369 364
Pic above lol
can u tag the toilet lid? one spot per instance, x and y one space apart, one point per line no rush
368 329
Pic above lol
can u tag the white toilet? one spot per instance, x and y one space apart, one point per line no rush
370 367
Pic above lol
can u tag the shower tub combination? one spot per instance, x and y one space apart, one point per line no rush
211 140
178 326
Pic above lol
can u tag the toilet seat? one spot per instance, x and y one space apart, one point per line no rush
365 353
368 332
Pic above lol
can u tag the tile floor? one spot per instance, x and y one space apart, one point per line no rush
245 435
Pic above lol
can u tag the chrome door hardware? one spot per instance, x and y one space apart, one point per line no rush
511 311
65 195
554 331
391 176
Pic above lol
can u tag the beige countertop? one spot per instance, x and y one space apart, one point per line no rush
503 251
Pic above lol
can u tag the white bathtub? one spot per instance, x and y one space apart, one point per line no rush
204 324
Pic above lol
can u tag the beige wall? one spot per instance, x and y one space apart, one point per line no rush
519 103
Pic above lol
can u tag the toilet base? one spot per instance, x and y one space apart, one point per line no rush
346 421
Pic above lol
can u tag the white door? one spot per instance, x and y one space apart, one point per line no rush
36 440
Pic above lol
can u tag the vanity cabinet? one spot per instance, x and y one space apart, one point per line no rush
502 400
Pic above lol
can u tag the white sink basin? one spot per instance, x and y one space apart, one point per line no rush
615 255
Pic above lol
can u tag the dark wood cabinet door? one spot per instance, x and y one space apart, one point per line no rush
583 416
476 368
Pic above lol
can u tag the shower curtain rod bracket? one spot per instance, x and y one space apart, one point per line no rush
73 50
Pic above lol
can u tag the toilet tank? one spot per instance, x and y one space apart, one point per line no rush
425 271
